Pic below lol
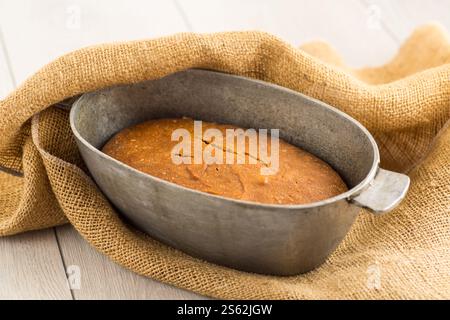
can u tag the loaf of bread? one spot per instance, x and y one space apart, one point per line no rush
301 177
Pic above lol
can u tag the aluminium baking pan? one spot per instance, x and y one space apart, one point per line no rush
254 237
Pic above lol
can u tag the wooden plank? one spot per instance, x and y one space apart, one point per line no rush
352 27
30 264
37 32
103 279
31 267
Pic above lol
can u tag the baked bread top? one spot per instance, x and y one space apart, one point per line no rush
301 177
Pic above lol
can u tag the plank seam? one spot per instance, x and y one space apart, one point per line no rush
183 15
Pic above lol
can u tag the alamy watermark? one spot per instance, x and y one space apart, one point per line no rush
374 276
74 277
73 20
374 17
237 146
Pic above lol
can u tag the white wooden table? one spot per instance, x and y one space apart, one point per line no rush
32 33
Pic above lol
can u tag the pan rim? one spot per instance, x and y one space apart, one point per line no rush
348 195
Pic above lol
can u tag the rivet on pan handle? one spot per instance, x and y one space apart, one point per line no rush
384 193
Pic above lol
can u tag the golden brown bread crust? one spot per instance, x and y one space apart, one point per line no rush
301 178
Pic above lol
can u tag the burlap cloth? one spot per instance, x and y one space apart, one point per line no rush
405 104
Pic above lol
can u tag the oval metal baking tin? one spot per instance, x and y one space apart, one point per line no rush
255 237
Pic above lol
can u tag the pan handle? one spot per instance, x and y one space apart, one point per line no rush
384 193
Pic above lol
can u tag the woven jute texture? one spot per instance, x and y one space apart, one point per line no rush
405 104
